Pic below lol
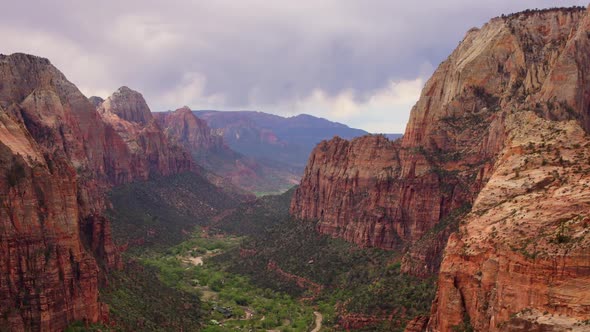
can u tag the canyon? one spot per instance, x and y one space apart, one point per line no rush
487 192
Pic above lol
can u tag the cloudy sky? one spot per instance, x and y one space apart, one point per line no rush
359 62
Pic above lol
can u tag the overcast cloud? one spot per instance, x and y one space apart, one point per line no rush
362 63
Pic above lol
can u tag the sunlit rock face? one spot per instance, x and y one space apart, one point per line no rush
471 123
52 234
59 156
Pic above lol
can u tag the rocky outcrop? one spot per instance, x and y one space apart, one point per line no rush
417 324
136 146
301 282
59 156
128 105
521 255
188 130
459 137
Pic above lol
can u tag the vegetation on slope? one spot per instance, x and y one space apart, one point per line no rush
163 211
246 266
141 300
364 281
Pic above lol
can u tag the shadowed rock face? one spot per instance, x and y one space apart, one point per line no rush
136 145
58 157
51 147
188 130
379 193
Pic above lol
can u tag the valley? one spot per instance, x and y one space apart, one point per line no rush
242 275
477 218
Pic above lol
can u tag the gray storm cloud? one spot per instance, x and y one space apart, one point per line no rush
360 62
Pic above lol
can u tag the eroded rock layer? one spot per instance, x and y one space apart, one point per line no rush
137 146
58 157
531 67
522 252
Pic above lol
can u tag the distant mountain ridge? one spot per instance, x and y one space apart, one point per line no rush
277 139
210 151
393 137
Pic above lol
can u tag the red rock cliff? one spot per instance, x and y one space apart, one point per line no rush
520 261
136 145
373 192
455 132
59 156
188 130
51 147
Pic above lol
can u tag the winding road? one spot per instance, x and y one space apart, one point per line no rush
318 321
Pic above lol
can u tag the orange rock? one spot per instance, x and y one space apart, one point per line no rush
58 156
138 147
468 143
188 130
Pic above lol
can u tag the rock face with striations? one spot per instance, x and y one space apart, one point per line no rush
520 260
138 148
343 176
58 157
188 130
52 234
531 67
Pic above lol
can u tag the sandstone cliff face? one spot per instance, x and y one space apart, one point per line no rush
48 277
136 146
188 130
348 186
521 257
384 194
514 265
455 132
59 156
49 198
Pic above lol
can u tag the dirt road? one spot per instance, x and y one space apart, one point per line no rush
318 321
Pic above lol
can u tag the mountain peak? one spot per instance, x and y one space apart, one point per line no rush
125 90
129 105
184 110
96 101
25 57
